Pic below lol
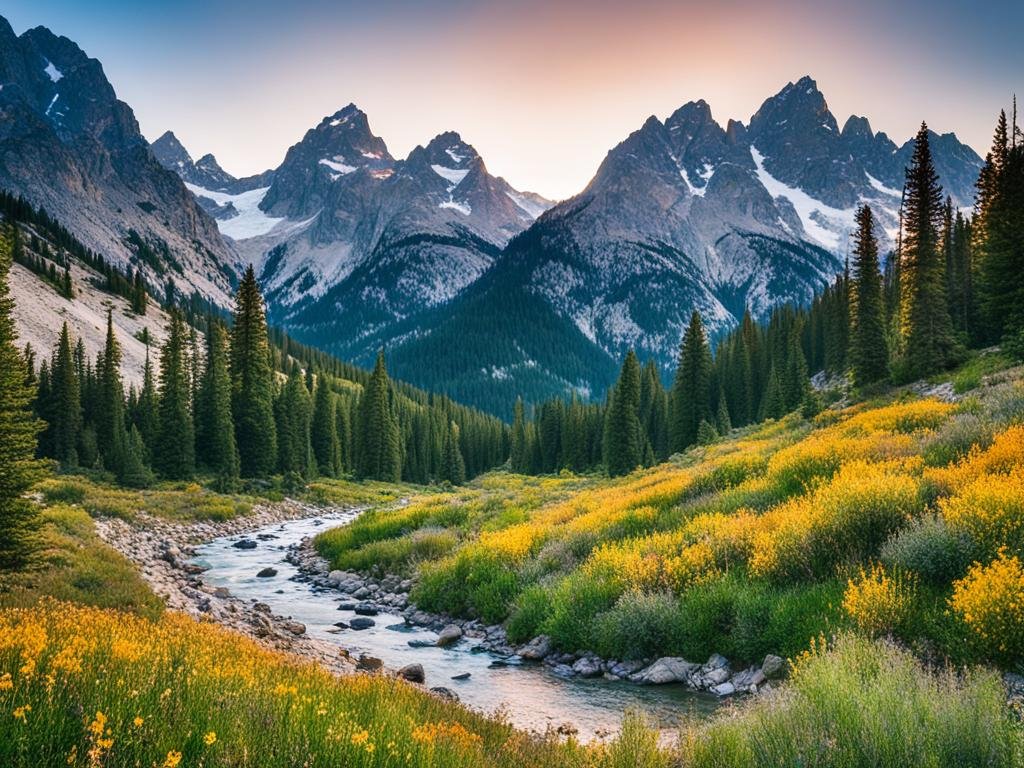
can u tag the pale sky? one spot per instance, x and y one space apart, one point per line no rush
542 89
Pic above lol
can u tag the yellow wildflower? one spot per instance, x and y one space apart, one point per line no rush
172 759
210 738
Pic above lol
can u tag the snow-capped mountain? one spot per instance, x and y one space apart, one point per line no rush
351 241
682 215
69 145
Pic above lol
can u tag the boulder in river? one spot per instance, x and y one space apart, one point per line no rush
421 644
362 622
536 649
365 609
588 666
413 673
449 635
461 676
668 669
267 573
244 544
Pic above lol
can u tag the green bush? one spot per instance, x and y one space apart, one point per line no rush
640 625
930 549
531 608
956 437
864 704
575 603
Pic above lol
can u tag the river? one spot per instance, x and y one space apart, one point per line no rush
530 695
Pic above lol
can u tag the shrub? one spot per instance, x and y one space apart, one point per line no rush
575 603
878 602
528 614
928 548
864 703
954 439
990 601
990 511
638 626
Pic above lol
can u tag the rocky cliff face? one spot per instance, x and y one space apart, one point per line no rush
682 215
69 145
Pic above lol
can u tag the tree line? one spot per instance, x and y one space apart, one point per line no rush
954 282
234 406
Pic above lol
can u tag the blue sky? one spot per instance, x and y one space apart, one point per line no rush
542 89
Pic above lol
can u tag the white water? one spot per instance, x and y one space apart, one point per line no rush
529 695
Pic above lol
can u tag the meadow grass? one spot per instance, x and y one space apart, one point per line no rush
92 687
743 547
74 564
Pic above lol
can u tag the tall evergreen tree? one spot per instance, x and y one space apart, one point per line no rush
175 453
324 432
215 430
623 450
453 467
773 405
19 468
520 453
927 330
147 416
252 383
379 449
869 353
294 411
690 402
109 402
65 412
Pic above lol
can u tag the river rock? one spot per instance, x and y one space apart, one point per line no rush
365 609
625 668
717 676
724 689
361 593
668 669
421 644
369 663
774 667
266 573
563 670
244 544
362 622
536 649
716 661
346 606
222 592
588 666
341 624
461 676
444 693
413 673
449 635
295 627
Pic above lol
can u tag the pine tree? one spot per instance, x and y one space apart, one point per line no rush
147 416
215 431
690 402
519 456
1001 232
723 422
796 382
293 412
773 405
343 420
138 298
324 432
379 449
252 384
134 471
927 330
453 467
65 411
19 469
706 433
109 402
623 450
869 353
175 453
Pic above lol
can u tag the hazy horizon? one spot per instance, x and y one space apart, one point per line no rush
543 91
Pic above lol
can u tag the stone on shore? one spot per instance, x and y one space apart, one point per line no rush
536 649
449 636
413 673
266 573
668 669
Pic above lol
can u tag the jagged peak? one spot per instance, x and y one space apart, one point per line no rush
856 125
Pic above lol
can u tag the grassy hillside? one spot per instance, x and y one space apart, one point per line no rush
901 516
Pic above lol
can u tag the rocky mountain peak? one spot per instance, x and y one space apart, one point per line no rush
170 151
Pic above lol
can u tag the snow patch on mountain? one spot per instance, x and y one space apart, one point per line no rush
825 224
250 221
54 73
343 169
532 208
453 176
876 184
455 205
